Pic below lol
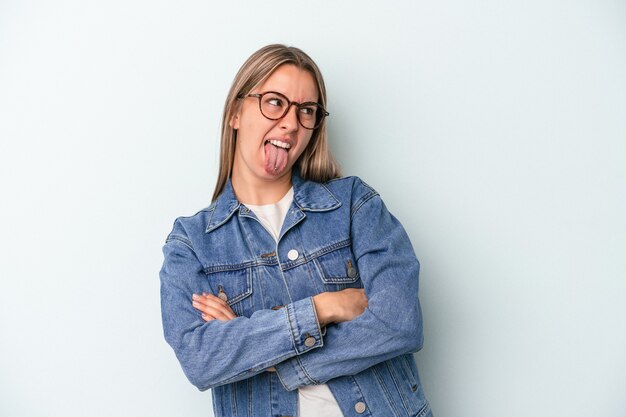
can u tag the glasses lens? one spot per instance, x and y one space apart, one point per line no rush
310 115
274 105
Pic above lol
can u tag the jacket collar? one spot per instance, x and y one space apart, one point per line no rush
307 195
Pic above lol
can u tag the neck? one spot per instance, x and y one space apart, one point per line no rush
259 192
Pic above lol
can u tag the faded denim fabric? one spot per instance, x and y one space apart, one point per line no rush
336 235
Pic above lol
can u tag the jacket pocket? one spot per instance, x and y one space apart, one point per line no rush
338 270
234 287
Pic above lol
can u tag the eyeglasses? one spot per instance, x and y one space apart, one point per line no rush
275 106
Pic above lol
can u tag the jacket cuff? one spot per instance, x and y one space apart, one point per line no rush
305 329
306 335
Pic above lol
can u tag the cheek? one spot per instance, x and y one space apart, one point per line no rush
253 126
304 143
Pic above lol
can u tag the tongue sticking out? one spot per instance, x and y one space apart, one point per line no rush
275 159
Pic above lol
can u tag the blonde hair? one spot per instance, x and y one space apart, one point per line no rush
316 162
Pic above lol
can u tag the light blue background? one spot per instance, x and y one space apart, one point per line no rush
495 131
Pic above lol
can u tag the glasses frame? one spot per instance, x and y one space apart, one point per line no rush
290 103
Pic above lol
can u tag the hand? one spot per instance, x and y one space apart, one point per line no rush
339 306
212 307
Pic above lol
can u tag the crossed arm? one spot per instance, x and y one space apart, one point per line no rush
369 328
331 307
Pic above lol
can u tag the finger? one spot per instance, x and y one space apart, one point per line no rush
221 302
214 310
212 301
210 297
207 317
219 313
216 299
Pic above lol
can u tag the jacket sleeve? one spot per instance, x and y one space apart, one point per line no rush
391 325
215 352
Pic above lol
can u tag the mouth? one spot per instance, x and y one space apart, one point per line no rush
276 159
278 144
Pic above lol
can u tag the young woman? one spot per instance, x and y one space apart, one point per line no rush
295 292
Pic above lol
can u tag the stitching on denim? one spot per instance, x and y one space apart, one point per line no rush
180 239
249 386
235 267
292 330
383 386
212 228
396 382
319 330
425 410
407 369
233 401
230 214
248 292
282 381
307 258
358 387
367 197
334 206
260 366
339 279
294 338
328 249
270 385
285 312
304 371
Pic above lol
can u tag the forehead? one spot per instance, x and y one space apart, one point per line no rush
296 83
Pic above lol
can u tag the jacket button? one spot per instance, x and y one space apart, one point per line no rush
359 407
309 341
221 294
293 255
352 272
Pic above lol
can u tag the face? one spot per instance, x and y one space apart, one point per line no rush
267 149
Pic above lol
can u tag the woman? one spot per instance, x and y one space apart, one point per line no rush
295 292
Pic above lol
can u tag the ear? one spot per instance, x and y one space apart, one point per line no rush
234 121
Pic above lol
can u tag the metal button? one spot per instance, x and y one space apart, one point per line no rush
359 407
221 294
293 255
309 341
351 270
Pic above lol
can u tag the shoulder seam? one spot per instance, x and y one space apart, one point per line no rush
180 239
367 197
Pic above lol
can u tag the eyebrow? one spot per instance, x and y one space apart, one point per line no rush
290 100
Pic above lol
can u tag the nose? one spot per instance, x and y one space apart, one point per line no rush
289 121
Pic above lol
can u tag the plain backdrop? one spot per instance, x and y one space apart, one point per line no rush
494 130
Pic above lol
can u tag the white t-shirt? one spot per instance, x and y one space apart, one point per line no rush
313 400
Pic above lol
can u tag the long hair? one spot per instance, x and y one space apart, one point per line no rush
316 162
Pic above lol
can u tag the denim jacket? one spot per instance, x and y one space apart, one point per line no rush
335 235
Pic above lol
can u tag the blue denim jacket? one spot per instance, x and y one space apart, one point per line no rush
336 235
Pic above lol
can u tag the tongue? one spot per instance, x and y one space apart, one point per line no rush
275 159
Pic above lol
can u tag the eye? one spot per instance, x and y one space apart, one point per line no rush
275 101
308 110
